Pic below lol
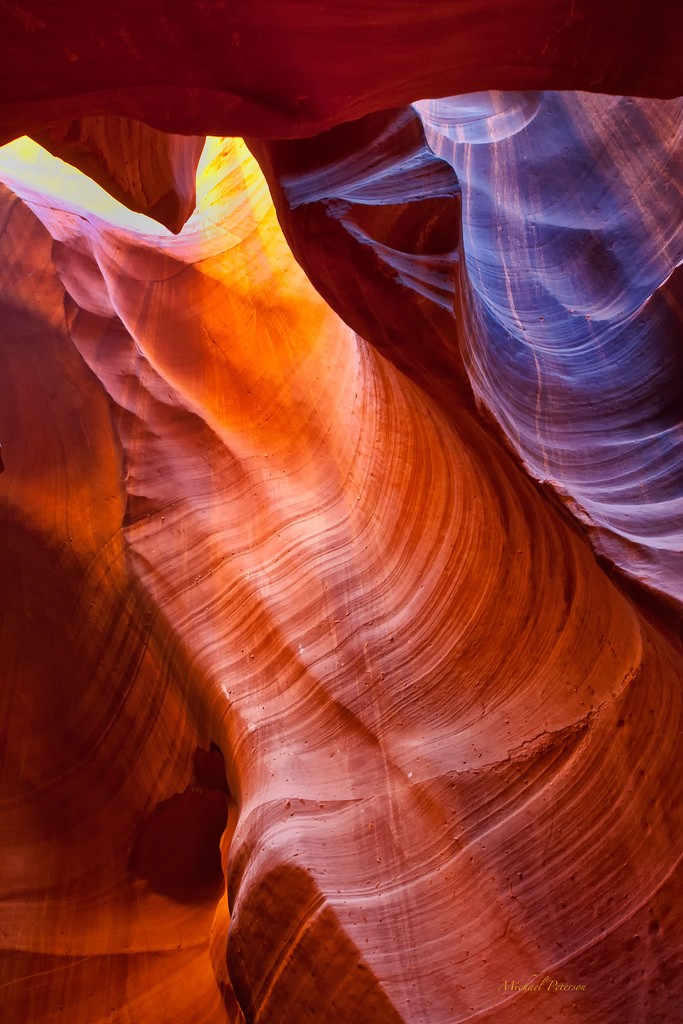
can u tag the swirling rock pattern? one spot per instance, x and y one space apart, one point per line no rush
150 172
570 304
373 218
318 705
591 401
451 740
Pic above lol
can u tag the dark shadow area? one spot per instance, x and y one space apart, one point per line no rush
209 769
177 850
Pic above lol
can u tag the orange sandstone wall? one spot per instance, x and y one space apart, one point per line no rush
340 628
451 743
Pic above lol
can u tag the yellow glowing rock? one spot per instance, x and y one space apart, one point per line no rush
451 742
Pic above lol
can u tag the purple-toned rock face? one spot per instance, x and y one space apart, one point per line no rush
340 545
572 320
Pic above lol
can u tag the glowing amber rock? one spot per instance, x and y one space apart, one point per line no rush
148 171
450 741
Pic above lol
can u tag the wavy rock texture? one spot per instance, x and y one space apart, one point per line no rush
570 303
451 742
150 172
374 219
591 401
317 704
281 70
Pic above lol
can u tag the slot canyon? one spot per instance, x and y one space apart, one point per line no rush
341 512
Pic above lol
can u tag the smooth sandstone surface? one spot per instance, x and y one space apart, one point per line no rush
148 171
565 279
277 69
571 307
341 628
451 740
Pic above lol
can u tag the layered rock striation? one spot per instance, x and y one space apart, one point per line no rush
340 625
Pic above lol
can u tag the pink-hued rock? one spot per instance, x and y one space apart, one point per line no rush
148 171
452 743
340 629
567 327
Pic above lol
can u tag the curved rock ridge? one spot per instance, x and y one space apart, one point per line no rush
284 70
570 306
148 171
373 217
591 401
451 741
479 117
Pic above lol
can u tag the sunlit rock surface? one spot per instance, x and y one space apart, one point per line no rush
451 743
565 280
148 171
340 629
374 219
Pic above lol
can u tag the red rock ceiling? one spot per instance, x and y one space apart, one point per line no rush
341 628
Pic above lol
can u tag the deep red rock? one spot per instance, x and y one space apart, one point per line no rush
277 69
353 554
177 851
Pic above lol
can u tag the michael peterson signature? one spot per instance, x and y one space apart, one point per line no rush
546 984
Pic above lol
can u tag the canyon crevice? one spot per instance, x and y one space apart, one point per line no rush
341 513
